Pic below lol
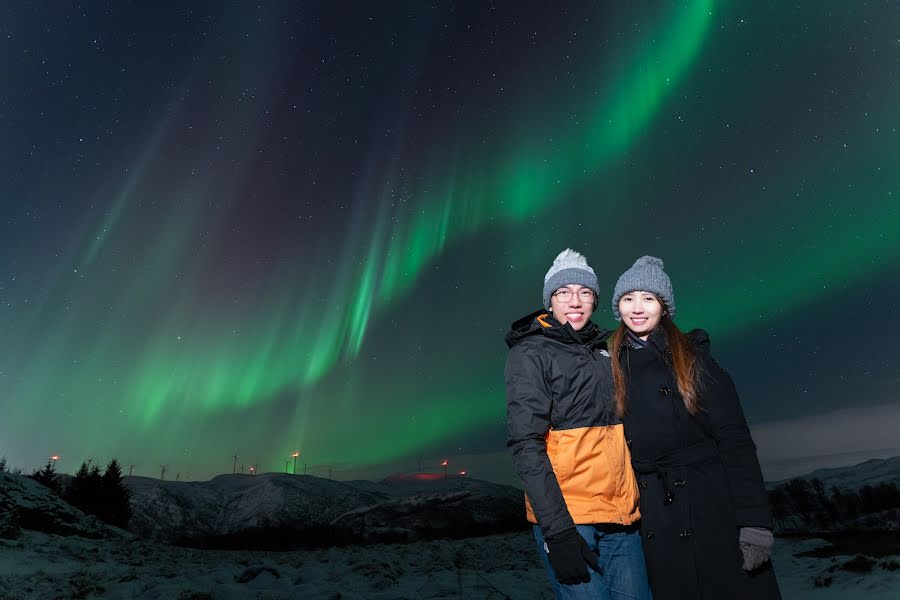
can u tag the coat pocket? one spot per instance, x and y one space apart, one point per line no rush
562 446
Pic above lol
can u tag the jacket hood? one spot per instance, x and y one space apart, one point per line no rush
541 322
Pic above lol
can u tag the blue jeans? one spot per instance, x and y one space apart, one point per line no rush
621 559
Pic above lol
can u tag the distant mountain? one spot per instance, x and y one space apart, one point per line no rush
279 511
270 509
870 472
426 508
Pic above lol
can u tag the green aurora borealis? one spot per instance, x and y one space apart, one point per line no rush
241 230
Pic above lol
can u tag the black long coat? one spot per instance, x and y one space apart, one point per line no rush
699 478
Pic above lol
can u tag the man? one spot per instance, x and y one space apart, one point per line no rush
568 444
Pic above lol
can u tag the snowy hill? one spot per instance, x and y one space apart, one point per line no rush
864 497
26 504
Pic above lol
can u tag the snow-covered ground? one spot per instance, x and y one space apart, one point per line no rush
810 578
56 552
43 566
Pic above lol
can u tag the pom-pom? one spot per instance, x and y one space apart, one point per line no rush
650 261
570 257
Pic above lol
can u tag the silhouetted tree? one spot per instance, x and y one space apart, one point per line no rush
778 500
799 492
95 489
807 504
891 495
75 490
867 496
3 465
879 497
84 491
47 477
102 495
839 504
824 513
116 509
851 505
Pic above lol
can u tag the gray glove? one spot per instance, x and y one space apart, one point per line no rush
756 546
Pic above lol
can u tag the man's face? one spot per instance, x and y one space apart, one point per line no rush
573 304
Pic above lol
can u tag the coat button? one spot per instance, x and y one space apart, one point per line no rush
679 483
665 390
685 534
650 535
643 484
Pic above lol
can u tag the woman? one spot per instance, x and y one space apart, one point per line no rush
705 526
568 445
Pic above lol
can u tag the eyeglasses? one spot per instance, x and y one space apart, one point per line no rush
565 295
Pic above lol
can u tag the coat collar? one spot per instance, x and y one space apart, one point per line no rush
657 342
542 323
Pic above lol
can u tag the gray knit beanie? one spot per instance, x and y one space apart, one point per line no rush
569 267
646 275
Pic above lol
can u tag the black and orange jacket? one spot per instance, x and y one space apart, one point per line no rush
568 445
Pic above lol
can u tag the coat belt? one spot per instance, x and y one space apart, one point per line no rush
676 458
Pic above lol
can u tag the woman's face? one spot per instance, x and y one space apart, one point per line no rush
641 312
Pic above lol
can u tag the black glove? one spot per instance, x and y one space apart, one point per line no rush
570 557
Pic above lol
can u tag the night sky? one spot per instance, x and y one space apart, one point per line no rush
240 228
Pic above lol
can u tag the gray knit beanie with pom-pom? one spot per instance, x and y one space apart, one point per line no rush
569 267
646 275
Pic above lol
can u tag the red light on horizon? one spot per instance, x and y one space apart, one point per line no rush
462 472
444 464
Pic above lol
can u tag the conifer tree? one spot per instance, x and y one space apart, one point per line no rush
3 465
116 508
75 491
103 495
95 490
84 490
47 476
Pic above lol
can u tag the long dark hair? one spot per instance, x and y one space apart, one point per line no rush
683 364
